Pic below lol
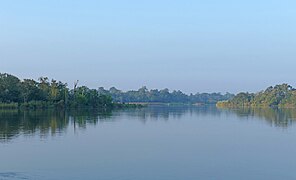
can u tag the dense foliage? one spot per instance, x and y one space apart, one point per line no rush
163 96
278 96
44 93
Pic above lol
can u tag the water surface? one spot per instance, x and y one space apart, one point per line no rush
157 142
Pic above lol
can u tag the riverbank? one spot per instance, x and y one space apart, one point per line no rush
60 105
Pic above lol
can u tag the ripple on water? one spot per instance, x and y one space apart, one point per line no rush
13 175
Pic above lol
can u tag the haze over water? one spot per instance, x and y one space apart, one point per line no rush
193 46
157 142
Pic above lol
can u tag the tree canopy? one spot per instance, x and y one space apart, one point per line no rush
163 96
52 93
282 95
49 93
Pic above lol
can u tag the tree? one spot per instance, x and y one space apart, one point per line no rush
10 88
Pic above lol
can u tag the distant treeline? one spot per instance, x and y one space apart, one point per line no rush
163 96
278 96
44 93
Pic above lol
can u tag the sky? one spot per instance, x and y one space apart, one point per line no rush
192 45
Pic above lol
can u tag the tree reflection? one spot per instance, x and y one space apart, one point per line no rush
45 122
53 122
278 117
166 112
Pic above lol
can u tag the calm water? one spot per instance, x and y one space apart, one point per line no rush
154 143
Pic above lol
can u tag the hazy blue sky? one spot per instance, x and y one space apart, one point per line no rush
192 45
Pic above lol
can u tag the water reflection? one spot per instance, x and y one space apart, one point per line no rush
161 112
51 123
274 116
45 122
